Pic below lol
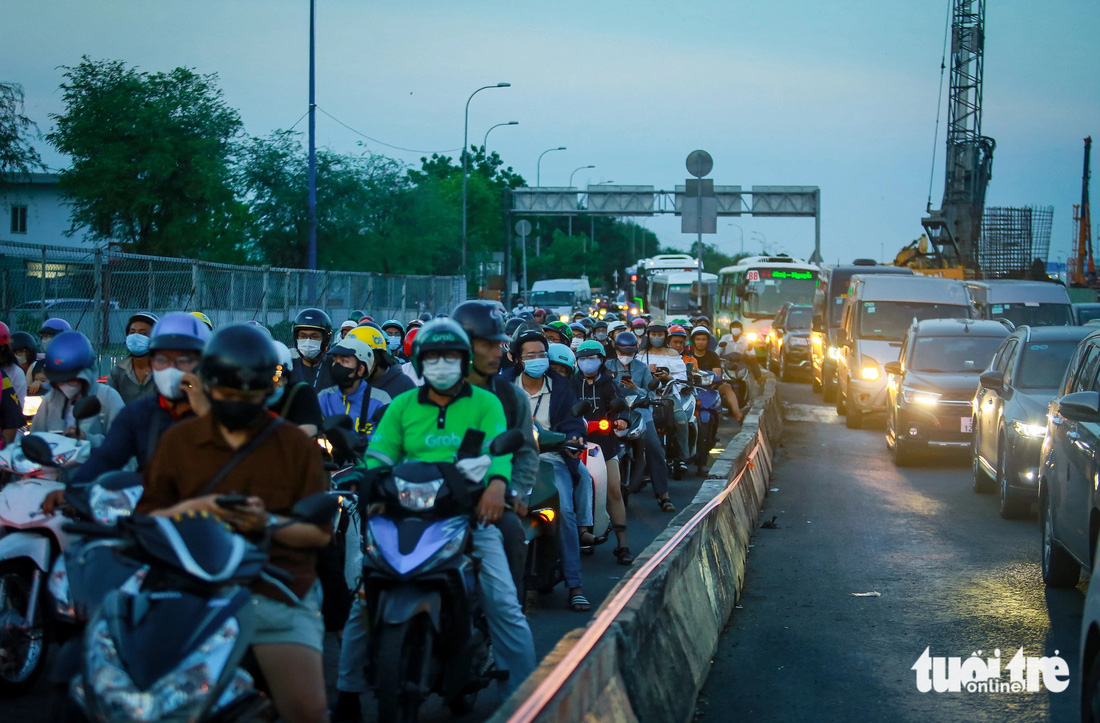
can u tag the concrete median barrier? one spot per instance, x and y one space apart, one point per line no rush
647 651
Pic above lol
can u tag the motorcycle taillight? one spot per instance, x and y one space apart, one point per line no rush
599 426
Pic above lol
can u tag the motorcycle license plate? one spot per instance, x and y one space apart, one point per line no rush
966 425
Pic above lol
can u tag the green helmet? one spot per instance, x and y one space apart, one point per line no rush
590 348
441 335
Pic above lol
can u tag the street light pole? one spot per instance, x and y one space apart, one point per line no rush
763 243
580 168
742 235
538 166
485 143
465 153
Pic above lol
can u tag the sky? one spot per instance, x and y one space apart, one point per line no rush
840 94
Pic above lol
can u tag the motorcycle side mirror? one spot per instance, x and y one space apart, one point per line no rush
318 508
506 443
337 421
617 405
38 450
87 408
581 408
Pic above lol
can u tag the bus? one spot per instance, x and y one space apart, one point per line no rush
753 290
660 263
675 295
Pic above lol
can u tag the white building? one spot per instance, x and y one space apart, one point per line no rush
34 211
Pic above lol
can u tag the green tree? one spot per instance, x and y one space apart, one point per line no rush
151 156
17 156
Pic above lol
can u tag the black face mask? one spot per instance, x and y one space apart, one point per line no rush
236 415
343 376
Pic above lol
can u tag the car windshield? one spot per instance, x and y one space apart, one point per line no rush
954 354
1033 314
1043 364
889 320
682 299
552 298
764 298
800 318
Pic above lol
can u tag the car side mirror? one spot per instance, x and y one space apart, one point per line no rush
507 442
1079 406
818 323
992 380
318 508
38 450
892 367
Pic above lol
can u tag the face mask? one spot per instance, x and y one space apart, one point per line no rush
275 396
442 374
137 344
235 415
624 360
343 376
167 382
576 342
656 341
309 348
639 333
70 389
601 335
735 333
536 367
393 343
21 358
45 343
588 367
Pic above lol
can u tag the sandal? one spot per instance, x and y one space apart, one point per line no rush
622 554
587 539
579 604
666 504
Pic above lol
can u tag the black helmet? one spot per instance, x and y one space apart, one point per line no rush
313 319
586 322
21 340
481 320
240 357
525 334
146 316
424 317
511 325
441 335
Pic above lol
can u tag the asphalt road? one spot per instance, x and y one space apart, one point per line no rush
547 614
952 575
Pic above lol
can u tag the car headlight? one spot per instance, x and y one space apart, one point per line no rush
751 336
564 317
417 496
1029 430
834 352
869 371
179 692
109 505
918 396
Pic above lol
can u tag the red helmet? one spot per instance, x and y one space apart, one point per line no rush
5 334
677 330
409 341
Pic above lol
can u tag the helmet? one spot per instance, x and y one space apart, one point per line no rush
657 327
424 317
394 323
481 320
21 340
369 334
511 325
600 324
147 317
736 323
415 324
349 324
313 319
677 330
626 341
700 330
357 348
577 326
261 327
181 331
702 320
54 326
561 326
409 338
561 354
638 321
543 312
5 334
356 315
364 319
70 353
525 334
441 315
586 322
440 335
614 328
286 361
204 319
526 316
590 348
611 316
241 357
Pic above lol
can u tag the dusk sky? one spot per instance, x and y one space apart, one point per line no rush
840 95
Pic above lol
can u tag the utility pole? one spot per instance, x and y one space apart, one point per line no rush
311 203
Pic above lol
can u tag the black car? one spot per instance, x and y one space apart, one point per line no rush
1010 409
931 387
789 340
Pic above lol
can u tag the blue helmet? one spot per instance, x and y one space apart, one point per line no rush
626 341
561 354
179 331
54 326
69 354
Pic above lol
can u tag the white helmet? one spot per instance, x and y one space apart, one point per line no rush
285 360
353 346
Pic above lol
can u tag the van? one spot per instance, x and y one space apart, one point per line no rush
561 296
877 314
1034 303
828 307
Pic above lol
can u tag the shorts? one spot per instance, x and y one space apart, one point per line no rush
283 624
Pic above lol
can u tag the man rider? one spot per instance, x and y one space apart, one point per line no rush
312 332
735 343
352 361
668 367
706 360
386 377
395 339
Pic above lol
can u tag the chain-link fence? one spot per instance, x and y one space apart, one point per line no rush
97 291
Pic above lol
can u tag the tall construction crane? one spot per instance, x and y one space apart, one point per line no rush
955 229
1084 271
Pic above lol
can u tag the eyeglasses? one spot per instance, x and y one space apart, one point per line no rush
435 356
183 363
534 355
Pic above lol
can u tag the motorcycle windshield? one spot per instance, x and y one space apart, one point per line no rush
203 547
408 543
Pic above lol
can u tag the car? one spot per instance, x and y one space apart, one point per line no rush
930 388
1085 312
1090 655
788 342
1069 501
1010 409
65 305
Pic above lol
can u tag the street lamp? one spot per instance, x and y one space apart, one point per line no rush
465 152
485 143
581 168
763 243
742 235
538 166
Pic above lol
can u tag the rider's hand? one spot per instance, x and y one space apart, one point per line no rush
33 387
520 508
628 383
74 433
620 424
53 502
661 375
574 440
491 506
192 387
250 518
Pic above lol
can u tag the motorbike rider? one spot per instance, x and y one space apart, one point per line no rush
385 376
132 376
10 366
579 334
243 449
49 329
668 367
638 325
736 343
540 316
296 402
706 360
594 385
634 378
562 360
352 361
677 338
70 368
395 338
312 332
347 326
599 330
552 397
25 349
427 425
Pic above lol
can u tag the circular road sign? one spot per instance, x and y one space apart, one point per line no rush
699 163
523 227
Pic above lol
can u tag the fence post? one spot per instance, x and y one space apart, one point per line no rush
149 305
194 287
286 296
404 287
324 289
100 298
232 294
370 294
43 270
263 296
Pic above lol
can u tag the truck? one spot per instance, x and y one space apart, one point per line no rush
561 296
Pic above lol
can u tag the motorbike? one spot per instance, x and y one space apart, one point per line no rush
672 397
737 374
30 545
428 633
169 642
708 410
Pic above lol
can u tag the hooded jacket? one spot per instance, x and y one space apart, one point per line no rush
56 408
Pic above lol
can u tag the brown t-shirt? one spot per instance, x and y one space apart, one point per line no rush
285 468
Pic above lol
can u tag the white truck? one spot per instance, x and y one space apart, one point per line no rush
561 296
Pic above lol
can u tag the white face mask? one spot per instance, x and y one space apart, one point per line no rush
168 382
639 333
309 348
442 374
70 389
575 343
21 358
624 360
736 334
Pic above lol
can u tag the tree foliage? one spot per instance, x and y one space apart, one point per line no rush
17 156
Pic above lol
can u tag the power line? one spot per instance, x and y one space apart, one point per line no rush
939 102
382 143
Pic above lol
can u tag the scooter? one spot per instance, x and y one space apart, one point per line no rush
420 595
672 397
708 411
31 542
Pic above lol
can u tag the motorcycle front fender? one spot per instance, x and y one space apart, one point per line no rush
403 603
36 548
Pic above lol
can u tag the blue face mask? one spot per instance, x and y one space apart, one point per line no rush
275 396
588 366
137 344
536 367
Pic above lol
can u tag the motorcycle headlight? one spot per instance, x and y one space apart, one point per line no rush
918 396
1029 430
176 694
31 405
417 496
58 585
109 505
564 318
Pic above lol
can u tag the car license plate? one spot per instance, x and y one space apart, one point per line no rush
966 425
